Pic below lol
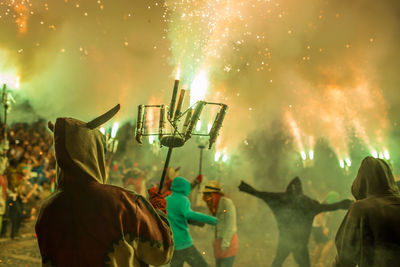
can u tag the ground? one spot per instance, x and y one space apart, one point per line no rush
21 251
257 232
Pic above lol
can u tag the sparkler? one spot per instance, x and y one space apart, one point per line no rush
110 135
341 162
386 154
177 138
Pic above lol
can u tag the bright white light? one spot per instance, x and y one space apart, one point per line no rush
311 154
348 162
225 158
114 129
374 154
341 164
11 81
151 139
198 125
386 154
380 155
102 130
217 156
17 82
178 74
303 155
199 87
209 126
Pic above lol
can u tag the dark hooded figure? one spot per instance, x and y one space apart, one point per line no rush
370 232
86 222
294 213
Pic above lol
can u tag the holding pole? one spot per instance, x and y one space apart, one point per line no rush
201 158
164 173
5 107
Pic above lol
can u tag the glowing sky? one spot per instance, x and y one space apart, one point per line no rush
330 67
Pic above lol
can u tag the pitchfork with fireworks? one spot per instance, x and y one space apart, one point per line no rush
173 114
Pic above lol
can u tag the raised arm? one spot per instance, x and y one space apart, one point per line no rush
266 196
341 205
198 216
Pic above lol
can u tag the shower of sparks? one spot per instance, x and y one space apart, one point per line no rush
338 118
19 11
203 33
257 54
213 34
198 88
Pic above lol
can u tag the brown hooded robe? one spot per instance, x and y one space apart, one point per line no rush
370 232
89 223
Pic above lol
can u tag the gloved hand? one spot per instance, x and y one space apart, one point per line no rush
157 200
225 244
196 223
199 178
196 181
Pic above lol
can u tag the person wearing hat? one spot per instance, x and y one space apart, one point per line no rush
179 213
226 240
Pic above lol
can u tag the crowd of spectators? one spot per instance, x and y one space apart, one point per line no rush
27 167
28 171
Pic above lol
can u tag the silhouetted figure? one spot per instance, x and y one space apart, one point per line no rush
370 232
294 213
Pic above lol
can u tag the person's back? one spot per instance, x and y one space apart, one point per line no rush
88 223
383 215
179 212
108 220
370 234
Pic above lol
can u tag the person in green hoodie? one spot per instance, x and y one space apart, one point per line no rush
178 214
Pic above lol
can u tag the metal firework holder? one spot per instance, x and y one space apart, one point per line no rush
172 114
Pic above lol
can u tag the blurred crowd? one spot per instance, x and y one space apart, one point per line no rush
28 174
27 165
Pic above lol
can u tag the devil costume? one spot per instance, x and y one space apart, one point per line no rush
86 222
370 232
294 213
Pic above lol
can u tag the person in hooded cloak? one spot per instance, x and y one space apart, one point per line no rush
370 232
294 213
87 222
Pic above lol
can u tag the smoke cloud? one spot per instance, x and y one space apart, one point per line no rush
325 69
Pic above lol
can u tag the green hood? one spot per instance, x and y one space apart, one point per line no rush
181 185
374 178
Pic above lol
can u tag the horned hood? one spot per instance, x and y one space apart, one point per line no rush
374 178
79 149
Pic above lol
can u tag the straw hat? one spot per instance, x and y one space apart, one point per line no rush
212 187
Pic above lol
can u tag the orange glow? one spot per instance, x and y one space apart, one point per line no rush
22 13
